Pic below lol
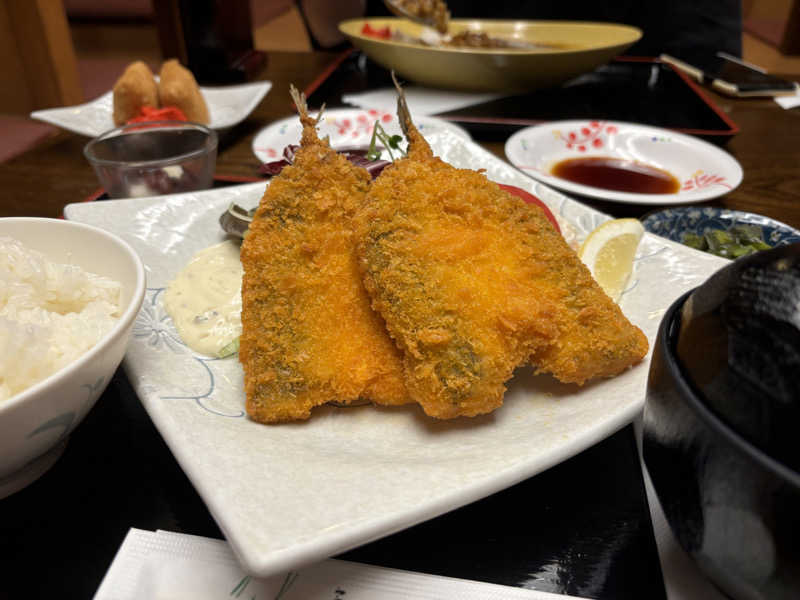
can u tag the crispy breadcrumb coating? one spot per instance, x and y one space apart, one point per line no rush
178 87
472 282
309 335
135 88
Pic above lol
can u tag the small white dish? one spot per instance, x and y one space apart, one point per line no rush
703 170
345 127
227 106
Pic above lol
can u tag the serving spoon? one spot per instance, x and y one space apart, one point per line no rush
430 18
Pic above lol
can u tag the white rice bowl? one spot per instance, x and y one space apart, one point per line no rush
63 333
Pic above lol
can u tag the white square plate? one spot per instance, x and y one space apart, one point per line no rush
227 106
288 495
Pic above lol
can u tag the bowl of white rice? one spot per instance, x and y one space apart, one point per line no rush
69 295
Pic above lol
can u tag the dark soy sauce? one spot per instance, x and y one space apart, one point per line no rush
617 174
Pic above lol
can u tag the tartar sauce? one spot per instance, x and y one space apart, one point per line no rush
205 299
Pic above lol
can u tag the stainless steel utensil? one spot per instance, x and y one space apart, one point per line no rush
433 13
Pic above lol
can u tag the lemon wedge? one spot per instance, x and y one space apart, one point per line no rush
609 252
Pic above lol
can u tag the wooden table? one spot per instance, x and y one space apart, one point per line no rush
42 181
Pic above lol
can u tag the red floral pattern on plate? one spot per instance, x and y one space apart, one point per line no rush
353 127
700 179
363 123
587 136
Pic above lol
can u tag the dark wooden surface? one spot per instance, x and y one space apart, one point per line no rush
42 181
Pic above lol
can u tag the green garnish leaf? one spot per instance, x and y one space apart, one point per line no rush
389 143
394 141
374 153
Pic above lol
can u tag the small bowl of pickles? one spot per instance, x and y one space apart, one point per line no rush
726 233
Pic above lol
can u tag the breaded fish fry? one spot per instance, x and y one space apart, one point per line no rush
473 282
177 87
309 335
135 88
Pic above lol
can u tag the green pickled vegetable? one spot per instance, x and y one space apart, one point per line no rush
720 242
695 241
738 240
750 235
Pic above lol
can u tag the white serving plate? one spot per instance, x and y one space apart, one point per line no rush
227 106
703 170
345 128
289 495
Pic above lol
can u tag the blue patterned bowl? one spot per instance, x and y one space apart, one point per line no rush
675 223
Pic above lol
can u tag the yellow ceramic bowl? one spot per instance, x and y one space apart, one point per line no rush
575 48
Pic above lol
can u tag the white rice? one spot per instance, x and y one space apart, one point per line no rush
50 314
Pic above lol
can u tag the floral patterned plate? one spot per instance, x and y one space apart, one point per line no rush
346 127
703 170
675 223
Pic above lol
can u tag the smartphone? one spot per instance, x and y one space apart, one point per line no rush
732 76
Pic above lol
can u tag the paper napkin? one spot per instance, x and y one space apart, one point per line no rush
170 566
421 100
790 101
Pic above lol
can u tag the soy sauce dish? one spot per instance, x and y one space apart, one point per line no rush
623 162
721 419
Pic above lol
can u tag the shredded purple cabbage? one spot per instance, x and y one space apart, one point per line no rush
357 156
276 166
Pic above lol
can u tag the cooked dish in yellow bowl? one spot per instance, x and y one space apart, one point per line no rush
490 55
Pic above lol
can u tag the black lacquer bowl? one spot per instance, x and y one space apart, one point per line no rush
722 424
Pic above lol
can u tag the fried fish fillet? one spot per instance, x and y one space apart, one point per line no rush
309 336
135 88
472 282
178 87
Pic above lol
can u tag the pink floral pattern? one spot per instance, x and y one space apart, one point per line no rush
354 127
700 179
587 136
363 123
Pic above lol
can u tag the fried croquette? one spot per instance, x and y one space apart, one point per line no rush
309 336
472 282
178 87
135 89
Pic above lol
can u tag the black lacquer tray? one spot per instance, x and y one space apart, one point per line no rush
633 89
581 528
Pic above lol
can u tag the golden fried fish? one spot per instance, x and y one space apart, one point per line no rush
472 282
309 336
